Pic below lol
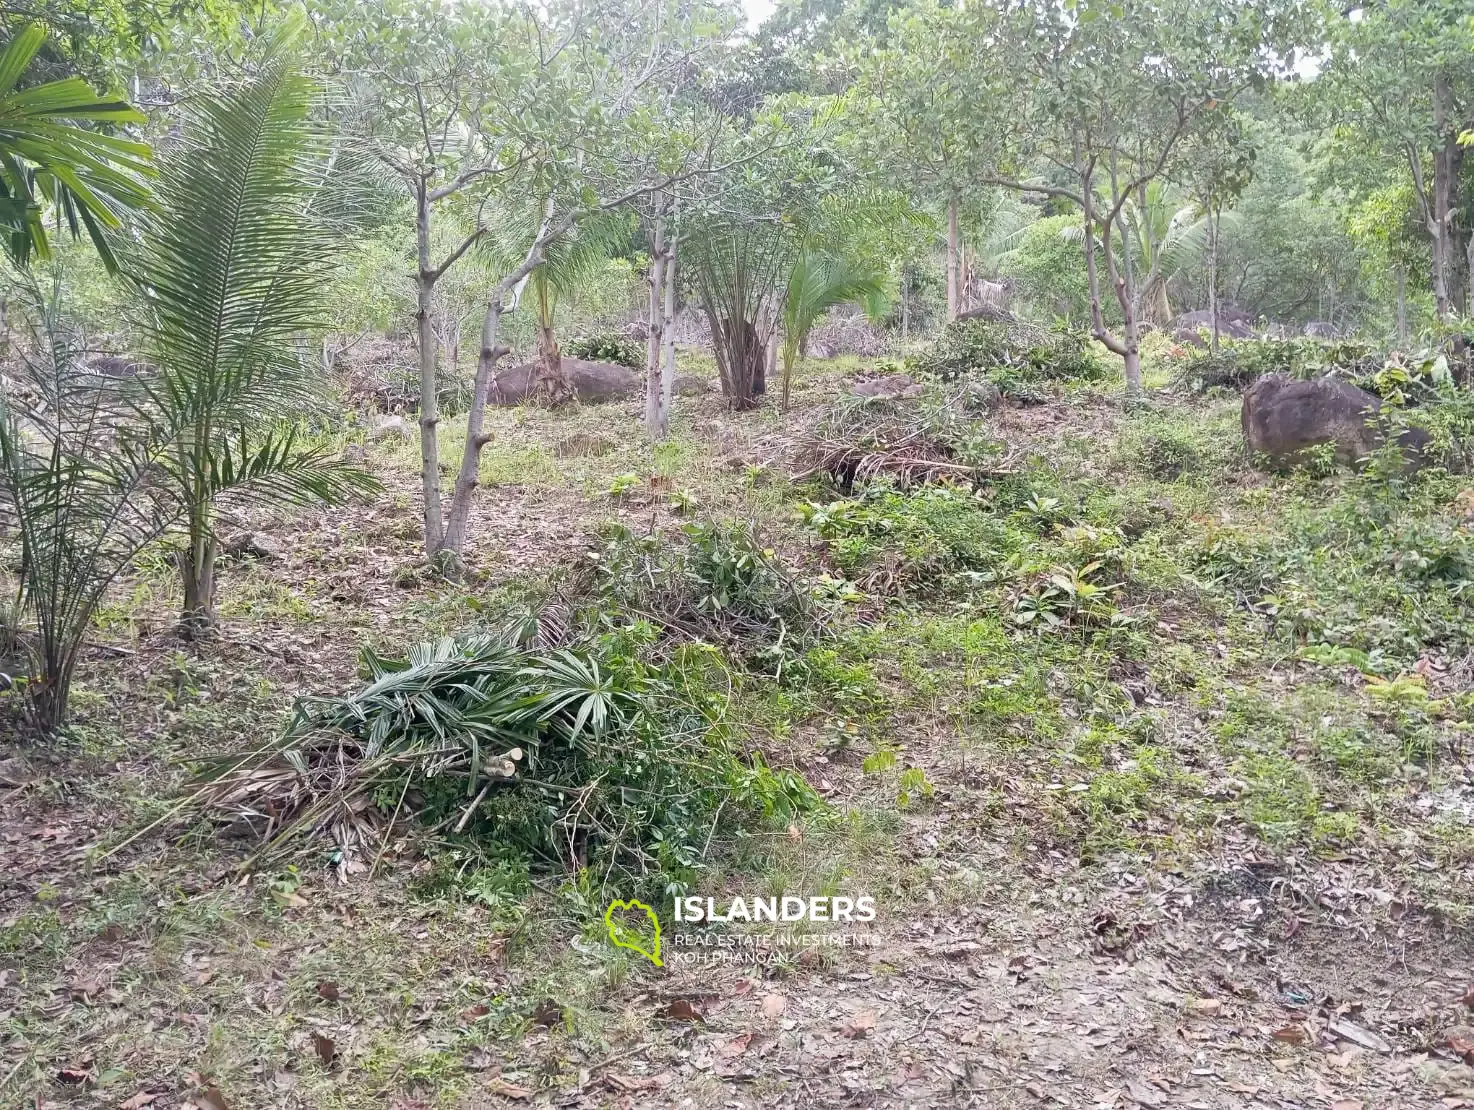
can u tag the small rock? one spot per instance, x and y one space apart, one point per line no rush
390 427
251 545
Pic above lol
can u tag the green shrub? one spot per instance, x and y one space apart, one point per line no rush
606 347
908 542
1167 454
721 585
1014 356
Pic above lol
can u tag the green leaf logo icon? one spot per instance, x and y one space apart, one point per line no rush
624 933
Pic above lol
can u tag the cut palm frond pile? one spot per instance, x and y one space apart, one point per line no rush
435 733
864 440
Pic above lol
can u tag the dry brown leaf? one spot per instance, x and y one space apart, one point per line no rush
1144 1094
209 1099
860 1026
500 1086
735 1047
1463 1047
682 1009
633 1082
327 1049
774 1005
289 899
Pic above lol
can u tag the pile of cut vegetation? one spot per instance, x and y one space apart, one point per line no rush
608 751
862 440
1016 357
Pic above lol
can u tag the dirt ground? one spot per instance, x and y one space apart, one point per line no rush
1003 970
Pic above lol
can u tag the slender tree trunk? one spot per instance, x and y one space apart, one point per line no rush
1401 306
905 305
197 573
1440 225
491 353
1469 270
770 356
668 335
429 399
954 292
466 480
1213 275
656 316
552 383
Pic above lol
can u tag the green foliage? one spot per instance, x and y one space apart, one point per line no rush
721 584
1167 454
913 543
565 759
1069 596
819 281
606 347
1049 267
79 497
1239 363
1015 357
88 177
230 271
1378 568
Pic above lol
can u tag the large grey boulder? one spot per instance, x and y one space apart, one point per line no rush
1283 417
1232 323
892 387
593 382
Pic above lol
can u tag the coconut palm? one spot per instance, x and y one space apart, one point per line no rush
1161 237
231 268
87 177
569 261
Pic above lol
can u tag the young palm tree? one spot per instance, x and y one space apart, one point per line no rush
78 497
87 177
231 269
819 282
569 261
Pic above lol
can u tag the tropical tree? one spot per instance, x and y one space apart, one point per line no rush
927 116
48 160
78 495
817 283
1398 75
1108 91
568 263
230 268
1216 167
